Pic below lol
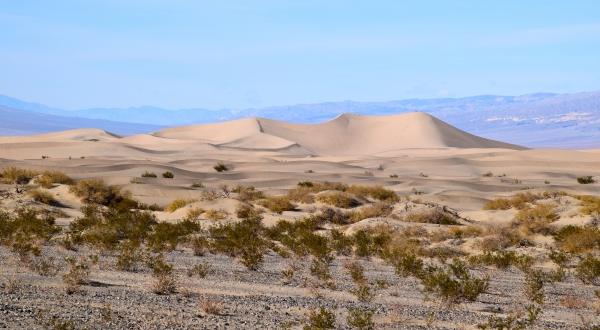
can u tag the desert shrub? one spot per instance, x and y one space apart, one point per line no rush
194 213
375 192
543 212
340 243
381 209
326 185
98 192
28 224
50 177
201 270
488 175
454 284
321 319
42 197
577 239
497 204
130 256
165 279
306 184
17 175
337 199
78 274
166 236
244 211
168 175
588 270
147 174
407 264
197 185
393 175
503 260
331 215
589 204
213 214
464 231
432 215
360 319
309 171
45 266
179 203
522 200
585 179
248 194
499 237
368 243
277 204
220 167
210 306
135 180
242 240
210 195
303 195
560 258
363 291
200 245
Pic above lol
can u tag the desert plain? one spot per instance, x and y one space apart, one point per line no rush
442 180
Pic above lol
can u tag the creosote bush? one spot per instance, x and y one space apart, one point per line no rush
453 284
48 178
585 179
432 215
220 167
320 319
197 185
213 214
577 239
166 236
78 274
244 211
97 192
165 279
248 194
168 175
503 259
337 199
194 213
179 203
17 175
588 270
361 319
147 174
242 240
277 204
42 197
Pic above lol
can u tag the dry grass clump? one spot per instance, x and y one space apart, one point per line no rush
210 306
17 175
248 194
375 192
432 215
337 199
521 200
577 239
331 215
50 177
244 211
456 232
302 195
42 197
277 204
165 279
499 237
194 213
589 204
543 212
498 204
213 214
97 192
179 203
381 209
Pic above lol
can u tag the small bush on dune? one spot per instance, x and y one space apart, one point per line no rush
97 192
42 197
168 175
194 213
375 192
277 204
434 215
577 239
17 175
303 195
498 204
454 284
337 199
589 204
213 214
543 212
220 167
381 209
197 185
244 211
166 236
585 179
306 184
147 174
179 203
248 194
50 177
331 215
503 260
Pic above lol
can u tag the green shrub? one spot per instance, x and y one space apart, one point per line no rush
368 243
179 203
588 270
577 239
321 319
488 175
42 197
147 174
197 185
277 204
166 236
50 177
454 284
331 215
375 192
340 243
28 224
585 179
393 175
248 194
503 259
201 270
165 279
98 192
302 195
337 199
168 175
130 256
200 245
78 274
220 167
306 184
241 240
360 319
560 258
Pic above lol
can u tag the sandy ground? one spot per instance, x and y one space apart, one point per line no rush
420 152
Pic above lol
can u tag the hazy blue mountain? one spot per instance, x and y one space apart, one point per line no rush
16 122
535 120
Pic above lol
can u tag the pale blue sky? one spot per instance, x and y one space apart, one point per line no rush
241 54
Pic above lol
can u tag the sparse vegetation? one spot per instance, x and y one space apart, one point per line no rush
17 175
42 197
220 167
97 192
147 174
48 178
337 199
488 175
585 179
179 203
277 204
213 214
320 319
197 185
168 175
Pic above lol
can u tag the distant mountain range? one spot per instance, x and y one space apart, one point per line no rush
541 120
